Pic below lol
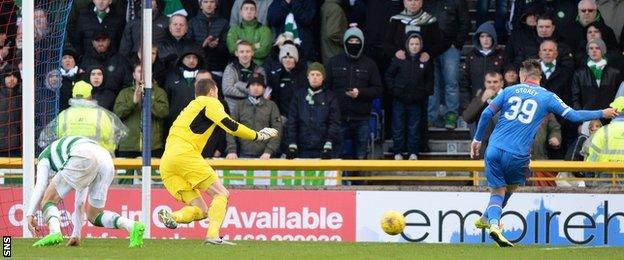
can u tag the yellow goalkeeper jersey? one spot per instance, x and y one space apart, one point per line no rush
197 122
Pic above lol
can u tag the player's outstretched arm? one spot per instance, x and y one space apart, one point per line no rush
586 115
43 173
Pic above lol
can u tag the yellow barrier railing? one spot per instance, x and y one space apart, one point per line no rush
474 166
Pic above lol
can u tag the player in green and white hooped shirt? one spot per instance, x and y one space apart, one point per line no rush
82 165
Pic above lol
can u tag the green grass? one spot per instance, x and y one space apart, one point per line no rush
194 249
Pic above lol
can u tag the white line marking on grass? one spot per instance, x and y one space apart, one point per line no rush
571 247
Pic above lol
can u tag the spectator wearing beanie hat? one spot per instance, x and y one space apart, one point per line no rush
256 112
355 80
313 125
70 73
287 78
595 83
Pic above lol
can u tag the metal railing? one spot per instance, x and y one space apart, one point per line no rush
472 166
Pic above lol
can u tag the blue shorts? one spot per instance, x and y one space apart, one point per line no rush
503 168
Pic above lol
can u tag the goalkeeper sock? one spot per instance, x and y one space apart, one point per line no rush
505 200
188 214
216 214
51 216
494 209
109 219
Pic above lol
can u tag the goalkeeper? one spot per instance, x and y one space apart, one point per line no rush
185 172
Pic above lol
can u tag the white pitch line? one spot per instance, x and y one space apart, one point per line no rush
572 247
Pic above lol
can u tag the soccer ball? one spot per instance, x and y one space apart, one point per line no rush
392 222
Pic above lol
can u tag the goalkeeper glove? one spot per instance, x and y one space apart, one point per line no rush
266 134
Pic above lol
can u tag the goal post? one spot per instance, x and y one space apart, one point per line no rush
146 169
28 107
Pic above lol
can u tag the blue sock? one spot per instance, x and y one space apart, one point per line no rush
494 209
506 199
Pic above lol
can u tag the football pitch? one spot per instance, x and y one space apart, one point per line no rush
194 249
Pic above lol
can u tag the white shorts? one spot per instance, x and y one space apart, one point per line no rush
89 166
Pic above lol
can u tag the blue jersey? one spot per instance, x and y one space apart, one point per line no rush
522 108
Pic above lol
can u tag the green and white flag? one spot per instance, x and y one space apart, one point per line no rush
291 27
174 7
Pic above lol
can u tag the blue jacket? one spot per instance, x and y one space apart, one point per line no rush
310 126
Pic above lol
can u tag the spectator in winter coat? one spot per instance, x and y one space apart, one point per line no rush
522 31
103 56
11 114
596 83
287 79
545 30
555 76
96 76
255 112
485 57
131 39
587 14
414 18
613 55
129 106
252 31
237 73
493 86
262 11
70 73
354 79
409 81
209 30
333 26
177 41
314 119
295 16
98 17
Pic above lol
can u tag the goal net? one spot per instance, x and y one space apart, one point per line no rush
50 20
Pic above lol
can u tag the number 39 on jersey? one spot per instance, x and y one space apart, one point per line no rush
522 110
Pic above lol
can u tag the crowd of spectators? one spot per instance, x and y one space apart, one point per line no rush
314 68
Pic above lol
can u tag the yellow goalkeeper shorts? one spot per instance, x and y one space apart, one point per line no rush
185 175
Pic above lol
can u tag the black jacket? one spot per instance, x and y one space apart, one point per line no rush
528 48
517 38
65 93
304 13
179 91
343 74
202 26
585 92
559 82
434 43
88 23
283 89
310 126
577 35
117 72
563 11
10 118
453 19
410 81
104 97
131 39
170 50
